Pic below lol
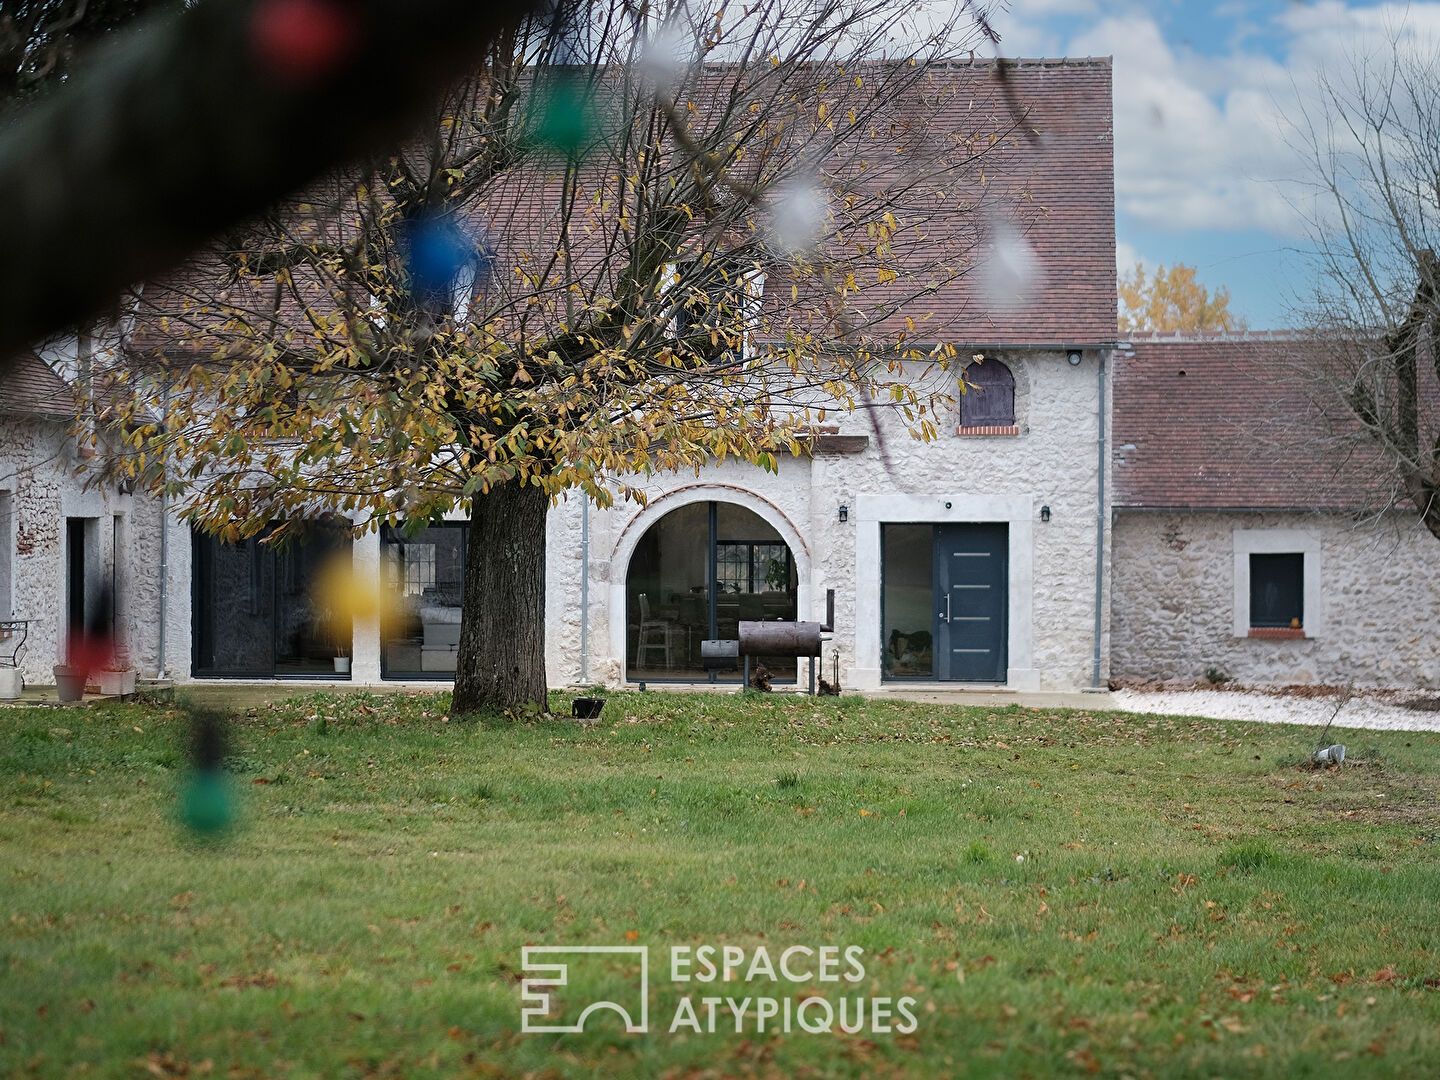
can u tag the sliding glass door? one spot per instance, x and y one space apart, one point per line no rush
254 611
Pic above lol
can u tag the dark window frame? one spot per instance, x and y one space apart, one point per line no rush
712 595
750 548
1277 589
989 401
264 562
394 537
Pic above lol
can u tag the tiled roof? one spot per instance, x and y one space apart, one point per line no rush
1231 421
1066 168
1052 175
27 385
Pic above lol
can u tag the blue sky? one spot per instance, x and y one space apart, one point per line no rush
1206 170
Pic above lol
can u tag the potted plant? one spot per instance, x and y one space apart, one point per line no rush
116 679
333 626
69 682
339 634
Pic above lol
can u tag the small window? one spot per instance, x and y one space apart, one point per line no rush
1277 590
989 399
743 567
419 568
722 299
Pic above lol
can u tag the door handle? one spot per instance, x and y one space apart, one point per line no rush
947 607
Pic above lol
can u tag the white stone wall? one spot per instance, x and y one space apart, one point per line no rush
38 470
1175 600
1052 462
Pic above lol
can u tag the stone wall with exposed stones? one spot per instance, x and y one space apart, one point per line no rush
1174 601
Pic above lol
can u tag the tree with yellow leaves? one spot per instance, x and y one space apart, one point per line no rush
1171 299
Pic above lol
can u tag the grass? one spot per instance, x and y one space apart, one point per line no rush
1062 893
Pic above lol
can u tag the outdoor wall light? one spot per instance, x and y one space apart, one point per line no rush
1074 357
844 513
1044 513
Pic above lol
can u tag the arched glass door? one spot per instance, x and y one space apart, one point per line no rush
696 574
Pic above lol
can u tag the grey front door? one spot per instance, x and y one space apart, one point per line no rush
972 594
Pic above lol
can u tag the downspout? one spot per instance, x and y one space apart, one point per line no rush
585 591
1099 518
160 673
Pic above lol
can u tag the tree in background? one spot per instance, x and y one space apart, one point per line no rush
1171 299
1371 364
635 241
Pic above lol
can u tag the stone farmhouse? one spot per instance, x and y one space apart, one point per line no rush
1245 541
1089 514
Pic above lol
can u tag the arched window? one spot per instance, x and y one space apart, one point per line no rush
989 398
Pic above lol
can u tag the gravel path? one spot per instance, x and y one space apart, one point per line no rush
1361 711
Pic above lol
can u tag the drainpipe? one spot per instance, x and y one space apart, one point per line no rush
585 590
1099 517
160 673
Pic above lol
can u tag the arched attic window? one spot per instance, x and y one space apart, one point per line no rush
988 405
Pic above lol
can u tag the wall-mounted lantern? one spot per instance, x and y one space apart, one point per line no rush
1044 513
1074 356
844 513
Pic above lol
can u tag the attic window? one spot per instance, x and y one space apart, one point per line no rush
719 294
987 407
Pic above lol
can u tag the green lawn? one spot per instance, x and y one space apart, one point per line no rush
1059 892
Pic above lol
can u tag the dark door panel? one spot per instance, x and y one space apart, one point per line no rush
972 591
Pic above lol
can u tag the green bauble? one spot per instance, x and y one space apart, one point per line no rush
565 117
205 806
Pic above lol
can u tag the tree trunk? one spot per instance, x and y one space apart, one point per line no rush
500 664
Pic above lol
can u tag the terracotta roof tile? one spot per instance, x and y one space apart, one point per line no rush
1229 421
1055 179
1061 179
28 386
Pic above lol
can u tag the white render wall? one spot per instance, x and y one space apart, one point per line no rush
1052 462
1176 594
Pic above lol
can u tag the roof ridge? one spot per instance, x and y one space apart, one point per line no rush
1205 336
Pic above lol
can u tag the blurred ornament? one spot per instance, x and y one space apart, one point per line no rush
436 250
93 647
345 596
666 54
566 119
301 41
1010 274
205 805
797 213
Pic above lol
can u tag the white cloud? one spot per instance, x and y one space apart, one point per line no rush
1032 8
1201 140
1127 257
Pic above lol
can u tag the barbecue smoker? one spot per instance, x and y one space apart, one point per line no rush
782 637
